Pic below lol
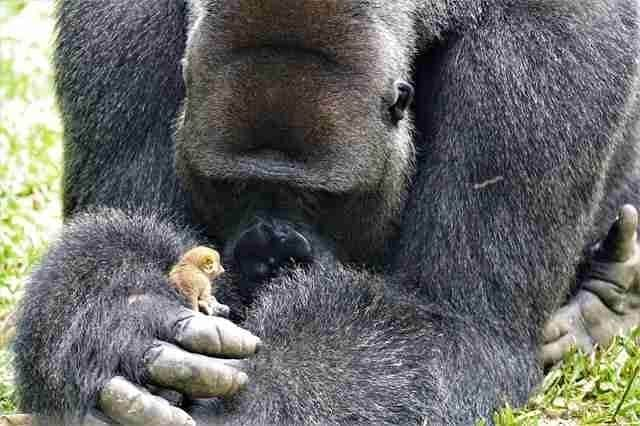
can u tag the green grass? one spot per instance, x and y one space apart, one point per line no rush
597 389
30 149
30 155
585 390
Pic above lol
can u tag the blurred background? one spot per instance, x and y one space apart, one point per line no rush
585 390
30 154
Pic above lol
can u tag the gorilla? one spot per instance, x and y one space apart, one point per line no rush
389 261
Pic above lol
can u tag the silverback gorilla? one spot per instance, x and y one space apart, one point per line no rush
397 268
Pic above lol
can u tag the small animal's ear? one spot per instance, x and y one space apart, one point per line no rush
402 98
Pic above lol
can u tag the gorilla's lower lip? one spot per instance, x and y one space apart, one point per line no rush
268 165
269 162
271 166
268 154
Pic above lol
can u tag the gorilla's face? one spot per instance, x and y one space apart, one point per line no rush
288 112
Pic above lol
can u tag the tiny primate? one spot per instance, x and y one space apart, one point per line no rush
193 275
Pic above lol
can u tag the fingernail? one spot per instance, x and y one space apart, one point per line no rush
243 379
258 345
182 418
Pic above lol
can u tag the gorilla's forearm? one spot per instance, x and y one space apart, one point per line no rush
87 315
342 348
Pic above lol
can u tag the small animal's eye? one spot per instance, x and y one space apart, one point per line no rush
208 267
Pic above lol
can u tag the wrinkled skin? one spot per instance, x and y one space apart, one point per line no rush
608 300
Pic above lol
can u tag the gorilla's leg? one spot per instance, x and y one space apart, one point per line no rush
608 302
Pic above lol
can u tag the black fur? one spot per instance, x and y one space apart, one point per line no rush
107 279
266 247
525 116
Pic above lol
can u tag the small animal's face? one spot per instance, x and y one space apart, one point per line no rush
211 265
206 260
212 268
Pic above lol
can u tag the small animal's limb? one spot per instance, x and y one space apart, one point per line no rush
205 298
204 307
608 302
197 304
199 287
219 309
191 282
210 306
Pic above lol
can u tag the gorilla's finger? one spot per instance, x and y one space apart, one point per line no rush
553 352
128 404
214 336
552 331
611 293
566 328
96 418
560 323
197 376
620 242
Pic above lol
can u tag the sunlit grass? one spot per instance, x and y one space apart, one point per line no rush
30 155
30 148
597 389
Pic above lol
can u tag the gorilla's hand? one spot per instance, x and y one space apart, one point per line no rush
99 306
608 302
189 368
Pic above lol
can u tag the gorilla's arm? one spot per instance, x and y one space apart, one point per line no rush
100 305
119 86
344 347
521 116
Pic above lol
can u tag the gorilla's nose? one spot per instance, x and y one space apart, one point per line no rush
265 248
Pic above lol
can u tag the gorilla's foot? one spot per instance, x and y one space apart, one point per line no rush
266 247
608 302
